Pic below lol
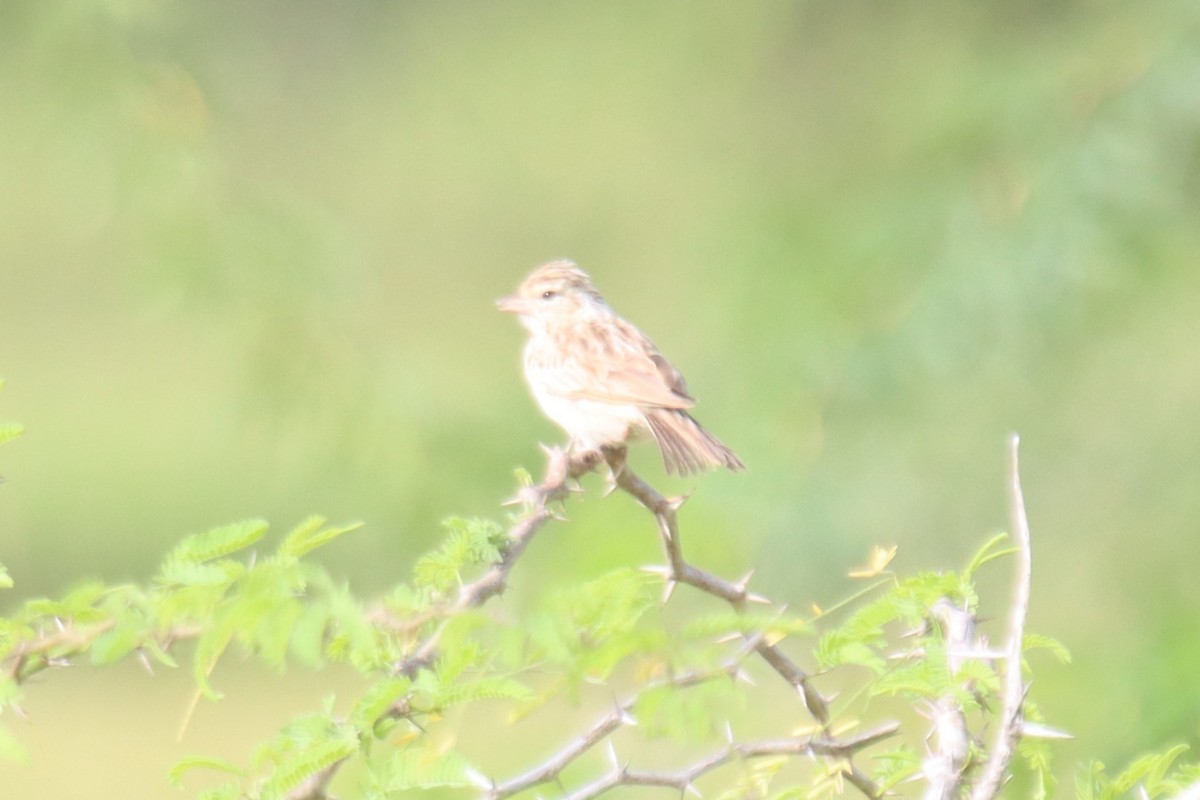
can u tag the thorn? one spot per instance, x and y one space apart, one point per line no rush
656 569
19 711
729 731
58 662
980 653
751 597
58 623
1036 730
676 503
557 516
744 581
612 756
145 661
690 788
729 637
627 719
574 487
479 779
741 676
668 590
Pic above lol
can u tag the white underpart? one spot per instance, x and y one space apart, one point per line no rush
591 423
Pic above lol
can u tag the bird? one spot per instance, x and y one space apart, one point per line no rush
602 380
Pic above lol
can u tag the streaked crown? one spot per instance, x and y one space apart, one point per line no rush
558 277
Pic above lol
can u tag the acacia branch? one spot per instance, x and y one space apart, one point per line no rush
736 594
946 764
684 780
1011 713
561 470
621 715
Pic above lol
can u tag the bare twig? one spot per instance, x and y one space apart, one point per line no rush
944 766
621 715
684 780
680 571
737 594
1009 731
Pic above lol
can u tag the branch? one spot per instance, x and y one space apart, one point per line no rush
684 780
736 594
1009 732
680 571
944 767
561 470
620 716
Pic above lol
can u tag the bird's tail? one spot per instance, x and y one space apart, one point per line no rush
685 446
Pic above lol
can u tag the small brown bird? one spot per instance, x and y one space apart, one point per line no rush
599 377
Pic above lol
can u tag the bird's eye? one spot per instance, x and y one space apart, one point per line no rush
548 294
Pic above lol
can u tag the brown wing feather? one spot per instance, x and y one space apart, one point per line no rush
631 370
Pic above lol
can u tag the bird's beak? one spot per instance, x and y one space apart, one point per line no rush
513 304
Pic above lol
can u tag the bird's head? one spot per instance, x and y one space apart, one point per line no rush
559 290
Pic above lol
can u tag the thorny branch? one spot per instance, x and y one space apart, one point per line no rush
683 780
621 715
736 594
945 765
946 768
562 470
1011 714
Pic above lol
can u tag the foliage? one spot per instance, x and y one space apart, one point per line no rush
435 665
213 589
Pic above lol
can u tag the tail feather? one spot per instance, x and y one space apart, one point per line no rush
685 445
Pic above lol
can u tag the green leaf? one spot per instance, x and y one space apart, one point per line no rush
311 760
189 573
189 763
422 768
377 701
1148 770
226 791
490 688
693 714
896 766
1037 641
470 542
6 581
1090 782
209 649
839 647
309 535
153 649
10 431
10 748
988 552
217 542
114 644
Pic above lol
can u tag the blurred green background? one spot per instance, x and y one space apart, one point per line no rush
248 253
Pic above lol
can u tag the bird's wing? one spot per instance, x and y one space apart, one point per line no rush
622 366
